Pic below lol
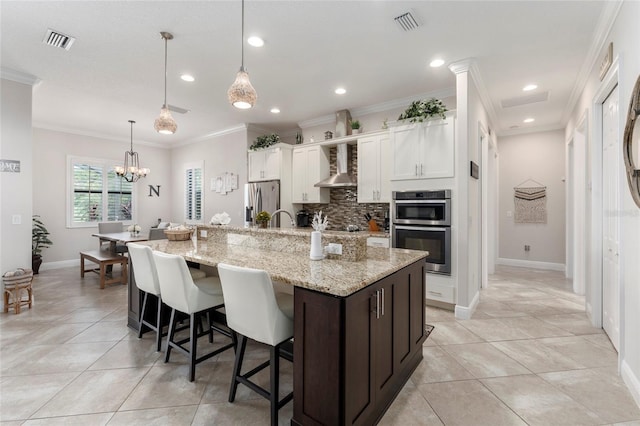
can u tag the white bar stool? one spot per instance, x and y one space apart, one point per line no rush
194 298
255 311
146 278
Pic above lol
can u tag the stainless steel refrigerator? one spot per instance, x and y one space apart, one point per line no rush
259 196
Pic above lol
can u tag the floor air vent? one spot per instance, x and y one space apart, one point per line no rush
407 21
56 39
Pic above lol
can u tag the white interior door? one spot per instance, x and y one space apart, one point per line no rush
611 157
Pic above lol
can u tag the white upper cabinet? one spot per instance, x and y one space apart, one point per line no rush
374 167
423 150
310 166
265 164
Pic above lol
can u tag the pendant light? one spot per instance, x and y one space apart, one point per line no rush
165 123
241 94
131 171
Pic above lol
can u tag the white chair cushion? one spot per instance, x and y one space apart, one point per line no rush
285 303
209 285
197 274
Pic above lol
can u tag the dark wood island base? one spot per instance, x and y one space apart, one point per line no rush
353 354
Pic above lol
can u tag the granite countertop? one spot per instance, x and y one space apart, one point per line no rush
335 277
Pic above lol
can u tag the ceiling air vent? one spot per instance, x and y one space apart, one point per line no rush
56 39
178 109
407 21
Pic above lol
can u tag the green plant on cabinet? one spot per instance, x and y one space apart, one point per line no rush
265 141
420 110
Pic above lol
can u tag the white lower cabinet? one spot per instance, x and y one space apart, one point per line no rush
310 166
374 165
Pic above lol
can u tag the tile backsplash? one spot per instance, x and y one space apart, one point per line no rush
343 208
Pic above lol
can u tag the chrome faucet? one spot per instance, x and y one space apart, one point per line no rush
293 222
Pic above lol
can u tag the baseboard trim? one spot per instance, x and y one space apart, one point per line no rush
465 312
631 380
531 264
60 264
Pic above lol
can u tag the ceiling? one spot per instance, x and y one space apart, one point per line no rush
114 71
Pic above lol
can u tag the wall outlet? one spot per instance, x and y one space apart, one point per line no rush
16 219
334 248
203 233
527 247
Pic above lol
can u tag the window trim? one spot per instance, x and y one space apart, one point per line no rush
106 164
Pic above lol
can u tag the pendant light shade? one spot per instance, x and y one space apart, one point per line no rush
131 170
165 124
241 94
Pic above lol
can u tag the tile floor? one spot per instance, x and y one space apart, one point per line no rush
528 356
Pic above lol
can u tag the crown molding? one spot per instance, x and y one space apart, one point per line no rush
608 17
525 130
19 77
239 128
109 138
379 107
463 65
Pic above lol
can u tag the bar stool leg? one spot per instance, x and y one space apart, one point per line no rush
172 327
159 325
142 311
275 384
193 345
237 366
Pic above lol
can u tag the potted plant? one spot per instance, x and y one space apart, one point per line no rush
265 141
355 127
39 241
419 110
262 219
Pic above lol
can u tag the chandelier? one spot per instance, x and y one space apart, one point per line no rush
131 171
165 123
241 94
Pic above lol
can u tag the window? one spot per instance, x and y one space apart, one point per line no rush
193 192
97 194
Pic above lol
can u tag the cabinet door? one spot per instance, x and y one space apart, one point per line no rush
437 149
360 321
385 330
368 157
317 170
272 164
405 143
256 166
299 175
384 168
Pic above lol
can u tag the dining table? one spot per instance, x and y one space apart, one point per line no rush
120 237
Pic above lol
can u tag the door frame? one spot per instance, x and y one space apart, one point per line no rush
576 248
595 299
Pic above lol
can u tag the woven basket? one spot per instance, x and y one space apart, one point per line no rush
18 277
175 235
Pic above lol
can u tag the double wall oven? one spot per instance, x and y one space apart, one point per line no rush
421 220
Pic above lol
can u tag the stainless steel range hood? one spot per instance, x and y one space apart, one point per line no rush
342 179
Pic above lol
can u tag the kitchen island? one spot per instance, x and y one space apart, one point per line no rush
359 325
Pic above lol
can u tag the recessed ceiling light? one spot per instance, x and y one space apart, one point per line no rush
340 91
255 41
187 77
436 63
528 120
275 110
529 87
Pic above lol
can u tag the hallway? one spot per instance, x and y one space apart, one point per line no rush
528 356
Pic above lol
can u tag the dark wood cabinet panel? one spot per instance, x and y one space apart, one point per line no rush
353 355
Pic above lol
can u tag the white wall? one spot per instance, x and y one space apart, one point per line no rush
224 153
624 34
15 188
50 151
540 157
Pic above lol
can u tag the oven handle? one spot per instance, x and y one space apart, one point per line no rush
423 228
439 201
